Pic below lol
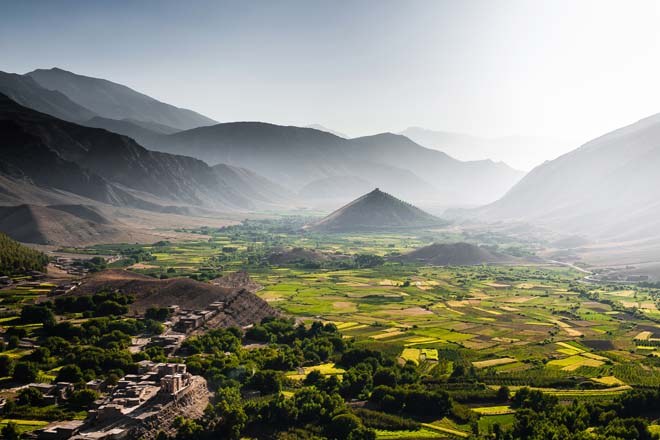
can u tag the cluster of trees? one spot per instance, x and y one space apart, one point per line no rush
132 255
317 408
16 258
157 313
98 305
540 416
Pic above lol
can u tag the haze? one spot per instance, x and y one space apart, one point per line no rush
484 68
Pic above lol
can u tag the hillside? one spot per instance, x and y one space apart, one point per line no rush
454 254
27 92
16 258
607 188
114 169
373 212
296 255
298 157
115 101
521 152
67 225
241 307
125 127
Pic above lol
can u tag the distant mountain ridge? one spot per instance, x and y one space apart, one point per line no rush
320 167
300 158
521 152
27 92
607 188
328 130
110 168
375 211
115 101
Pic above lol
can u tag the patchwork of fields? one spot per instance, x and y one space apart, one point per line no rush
535 325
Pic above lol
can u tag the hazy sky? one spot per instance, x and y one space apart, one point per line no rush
569 69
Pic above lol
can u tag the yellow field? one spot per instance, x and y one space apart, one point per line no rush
329 369
493 410
494 362
417 355
574 362
609 381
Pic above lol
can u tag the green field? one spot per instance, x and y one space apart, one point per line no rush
474 329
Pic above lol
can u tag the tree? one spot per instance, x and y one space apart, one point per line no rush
109 307
503 394
13 342
69 373
25 372
232 415
83 398
10 432
157 313
33 314
368 260
30 396
342 425
266 381
187 428
6 366
16 258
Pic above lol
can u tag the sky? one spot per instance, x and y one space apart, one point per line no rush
562 69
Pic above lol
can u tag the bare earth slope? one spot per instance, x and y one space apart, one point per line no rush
71 225
241 307
375 211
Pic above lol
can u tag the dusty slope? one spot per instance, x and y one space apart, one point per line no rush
241 307
70 225
375 211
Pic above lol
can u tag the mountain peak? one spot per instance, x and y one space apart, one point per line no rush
376 210
116 101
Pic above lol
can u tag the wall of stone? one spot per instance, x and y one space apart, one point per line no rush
190 403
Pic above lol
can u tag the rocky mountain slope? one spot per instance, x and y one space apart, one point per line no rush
114 169
27 92
608 188
115 101
70 225
375 211
241 307
299 157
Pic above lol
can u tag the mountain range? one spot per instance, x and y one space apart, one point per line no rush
115 101
607 188
521 152
68 139
300 158
56 155
317 165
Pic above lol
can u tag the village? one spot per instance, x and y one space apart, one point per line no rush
139 404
